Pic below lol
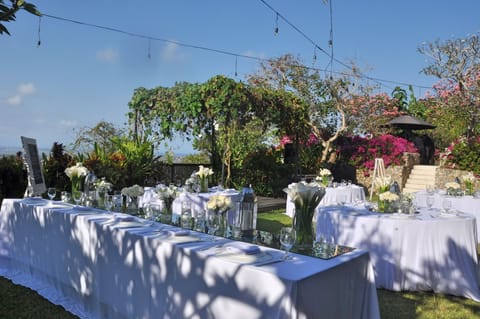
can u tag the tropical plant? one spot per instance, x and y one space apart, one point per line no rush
13 177
7 12
463 154
54 166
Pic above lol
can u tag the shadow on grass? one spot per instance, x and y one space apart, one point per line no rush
425 305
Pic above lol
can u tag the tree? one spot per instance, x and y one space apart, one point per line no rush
100 136
456 63
7 12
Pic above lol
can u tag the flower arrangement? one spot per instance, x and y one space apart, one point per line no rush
203 173
219 203
468 180
306 197
453 188
76 173
383 183
324 176
133 191
167 192
388 197
102 185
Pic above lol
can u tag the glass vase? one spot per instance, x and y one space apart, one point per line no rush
131 205
203 185
305 229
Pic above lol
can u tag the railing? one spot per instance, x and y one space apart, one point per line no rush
177 173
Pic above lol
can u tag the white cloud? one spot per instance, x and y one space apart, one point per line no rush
14 100
108 55
26 88
23 90
68 123
171 53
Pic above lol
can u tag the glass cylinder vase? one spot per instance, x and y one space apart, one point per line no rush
305 229
204 185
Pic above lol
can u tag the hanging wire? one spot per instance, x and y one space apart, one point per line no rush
224 52
330 41
39 42
314 56
149 49
236 65
276 24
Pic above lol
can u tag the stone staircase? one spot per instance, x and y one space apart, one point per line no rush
419 178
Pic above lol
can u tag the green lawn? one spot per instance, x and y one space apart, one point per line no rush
17 302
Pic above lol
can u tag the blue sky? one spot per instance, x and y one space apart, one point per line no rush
81 75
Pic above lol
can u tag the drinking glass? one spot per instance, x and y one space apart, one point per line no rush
52 192
287 239
77 196
447 204
65 197
108 202
430 189
430 201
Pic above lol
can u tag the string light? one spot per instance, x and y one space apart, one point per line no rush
149 48
219 51
236 64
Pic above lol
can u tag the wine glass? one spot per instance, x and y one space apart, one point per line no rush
447 204
430 189
52 192
430 201
77 196
65 197
287 239
108 202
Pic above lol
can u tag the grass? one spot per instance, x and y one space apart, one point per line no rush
17 302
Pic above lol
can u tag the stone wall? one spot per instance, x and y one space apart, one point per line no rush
399 173
444 175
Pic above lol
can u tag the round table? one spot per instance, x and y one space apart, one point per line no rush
426 251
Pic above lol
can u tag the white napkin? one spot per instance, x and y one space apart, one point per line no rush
242 248
179 232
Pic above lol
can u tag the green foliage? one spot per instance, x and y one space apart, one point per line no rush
130 163
196 158
54 166
463 154
7 13
264 170
13 177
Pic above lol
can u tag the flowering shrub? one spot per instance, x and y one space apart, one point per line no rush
362 151
463 154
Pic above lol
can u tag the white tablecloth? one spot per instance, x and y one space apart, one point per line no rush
98 265
349 194
465 204
428 252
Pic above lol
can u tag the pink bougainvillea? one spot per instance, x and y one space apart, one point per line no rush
362 151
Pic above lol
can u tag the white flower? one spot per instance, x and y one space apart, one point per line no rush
76 171
408 197
133 191
219 203
102 185
388 197
384 182
167 192
325 172
305 194
452 185
469 177
204 172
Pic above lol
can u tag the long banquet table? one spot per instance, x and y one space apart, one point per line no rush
110 265
426 251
